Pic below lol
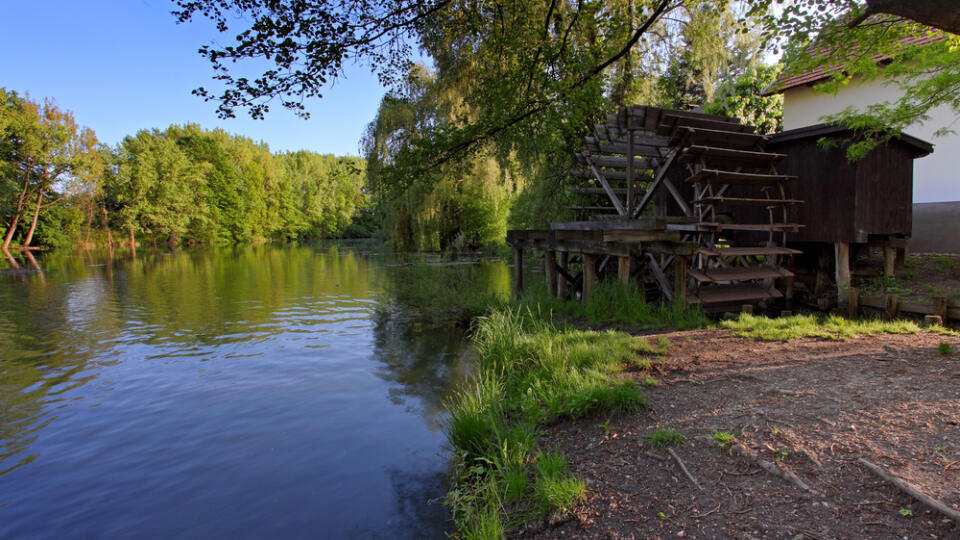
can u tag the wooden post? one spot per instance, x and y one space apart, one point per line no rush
940 307
517 271
629 171
550 271
788 292
562 281
842 261
892 305
889 260
680 280
853 302
623 270
589 275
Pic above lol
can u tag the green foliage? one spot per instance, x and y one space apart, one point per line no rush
945 348
664 437
740 98
823 326
189 184
723 439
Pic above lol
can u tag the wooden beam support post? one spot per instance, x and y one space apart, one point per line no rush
562 287
629 171
550 271
517 271
889 260
841 258
680 280
589 275
853 303
623 270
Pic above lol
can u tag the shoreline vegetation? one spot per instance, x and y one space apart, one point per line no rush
540 366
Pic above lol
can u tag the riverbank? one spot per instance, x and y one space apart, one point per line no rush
568 432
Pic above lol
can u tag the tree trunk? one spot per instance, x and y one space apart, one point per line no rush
942 14
133 243
106 226
33 223
16 218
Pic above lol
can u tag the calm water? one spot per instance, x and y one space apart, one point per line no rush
253 392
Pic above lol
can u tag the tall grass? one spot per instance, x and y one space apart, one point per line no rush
614 302
820 326
531 371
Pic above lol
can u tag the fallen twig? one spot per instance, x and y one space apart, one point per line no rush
774 470
909 489
714 511
947 468
684 468
654 456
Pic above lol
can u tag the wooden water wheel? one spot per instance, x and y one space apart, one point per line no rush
710 178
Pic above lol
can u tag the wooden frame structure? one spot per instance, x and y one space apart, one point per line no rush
688 170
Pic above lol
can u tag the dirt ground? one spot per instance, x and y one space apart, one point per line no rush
922 277
807 406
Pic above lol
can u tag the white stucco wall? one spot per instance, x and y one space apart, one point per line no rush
935 177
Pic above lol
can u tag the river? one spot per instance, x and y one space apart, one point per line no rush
260 391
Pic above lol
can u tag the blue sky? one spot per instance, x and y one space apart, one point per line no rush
126 65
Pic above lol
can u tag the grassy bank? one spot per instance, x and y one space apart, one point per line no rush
532 371
822 326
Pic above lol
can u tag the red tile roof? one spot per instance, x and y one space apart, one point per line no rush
789 80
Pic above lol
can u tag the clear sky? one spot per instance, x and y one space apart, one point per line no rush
126 65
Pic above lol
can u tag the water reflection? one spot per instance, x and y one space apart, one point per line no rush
254 390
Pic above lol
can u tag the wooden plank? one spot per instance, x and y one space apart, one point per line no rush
589 208
853 302
719 227
747 251
589 275
747 158
742 273
889 260
711 137
642 223
740 292
670 122
631 158
595 191
742 201
641 236
891 307
618 162
717 176
596 146
609 174
661 178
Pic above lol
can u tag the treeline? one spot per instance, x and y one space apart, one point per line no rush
485 139
181 185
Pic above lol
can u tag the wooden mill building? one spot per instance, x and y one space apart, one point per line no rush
701 209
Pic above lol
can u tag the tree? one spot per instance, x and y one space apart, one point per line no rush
46 154
741 98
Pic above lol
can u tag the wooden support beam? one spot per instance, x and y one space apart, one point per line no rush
562 270
892 305
630 157
659 277
940 307
589 275
623 270
680 280
517 271
606 187
853 302
889 260
841 251
550 271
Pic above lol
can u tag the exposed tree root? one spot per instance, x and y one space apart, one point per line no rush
684 468
909 489
773 469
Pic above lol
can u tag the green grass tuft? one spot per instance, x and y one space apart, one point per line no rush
723 439
823 326
557 489
664 437
945 348
647 380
